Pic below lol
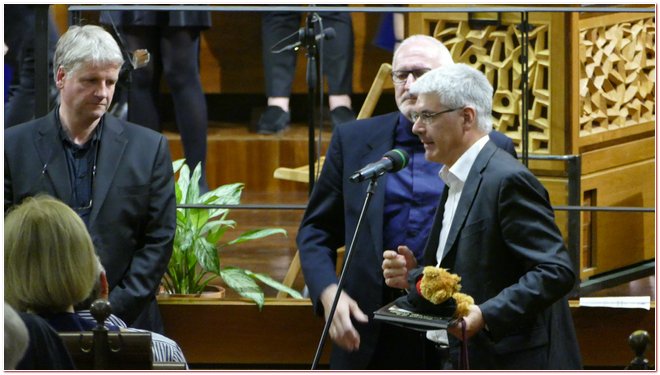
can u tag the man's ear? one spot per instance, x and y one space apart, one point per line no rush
105 290
59 77
469 117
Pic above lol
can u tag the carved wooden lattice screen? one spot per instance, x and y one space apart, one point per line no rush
495 50
617 72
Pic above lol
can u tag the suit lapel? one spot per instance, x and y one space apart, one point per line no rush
51 153
113 144
470 189
431 248
378 144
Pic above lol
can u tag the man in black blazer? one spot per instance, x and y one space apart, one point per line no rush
331 219
117 176
495 228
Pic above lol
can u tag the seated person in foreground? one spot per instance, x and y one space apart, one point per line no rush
164 349
31 344
50 280
16 338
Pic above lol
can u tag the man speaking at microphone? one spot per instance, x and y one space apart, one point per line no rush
400 213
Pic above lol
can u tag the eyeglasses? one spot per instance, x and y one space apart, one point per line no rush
401 76
81 210
427 117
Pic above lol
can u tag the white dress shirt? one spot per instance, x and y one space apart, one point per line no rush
454 178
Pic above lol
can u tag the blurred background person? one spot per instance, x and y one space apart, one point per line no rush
172 39
16 338
279 68
20 29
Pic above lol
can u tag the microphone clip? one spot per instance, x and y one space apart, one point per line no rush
308 36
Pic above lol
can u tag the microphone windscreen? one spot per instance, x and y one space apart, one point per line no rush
399 159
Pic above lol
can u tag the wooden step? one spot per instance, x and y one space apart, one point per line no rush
234 154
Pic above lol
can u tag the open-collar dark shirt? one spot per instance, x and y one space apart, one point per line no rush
411 195
81 161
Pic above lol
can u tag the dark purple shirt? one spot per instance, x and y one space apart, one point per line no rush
411 195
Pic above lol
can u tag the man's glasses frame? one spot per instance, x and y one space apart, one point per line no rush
400 77
428 117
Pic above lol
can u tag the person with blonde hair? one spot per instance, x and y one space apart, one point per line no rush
52 267
50 262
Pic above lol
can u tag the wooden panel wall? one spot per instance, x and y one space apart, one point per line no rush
495 49
287 332
252 158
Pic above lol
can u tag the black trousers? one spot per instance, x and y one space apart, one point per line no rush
175 54
337 54
401 348
20 38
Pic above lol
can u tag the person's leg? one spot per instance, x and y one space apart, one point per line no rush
180 57
20 103
144 87
279 68
338 65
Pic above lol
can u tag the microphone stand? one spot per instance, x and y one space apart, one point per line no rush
347 262
308 40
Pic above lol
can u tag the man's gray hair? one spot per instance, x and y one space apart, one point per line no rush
457 86
83 45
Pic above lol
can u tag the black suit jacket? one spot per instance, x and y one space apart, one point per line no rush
331 219
505 245
133 216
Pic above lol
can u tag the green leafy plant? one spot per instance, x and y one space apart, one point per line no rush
199 231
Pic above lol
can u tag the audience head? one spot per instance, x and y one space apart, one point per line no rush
415 56
453 110
100 289
16 338
50 262
81 45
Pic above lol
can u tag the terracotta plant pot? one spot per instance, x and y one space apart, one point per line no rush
210 292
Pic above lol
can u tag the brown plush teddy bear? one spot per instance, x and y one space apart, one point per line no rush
435 291
438 285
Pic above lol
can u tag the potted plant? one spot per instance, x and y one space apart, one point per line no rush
199 231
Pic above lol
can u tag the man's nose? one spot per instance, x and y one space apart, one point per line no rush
417 128
102 90
410 79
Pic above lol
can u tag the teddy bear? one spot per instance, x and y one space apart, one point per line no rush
438 285
436 291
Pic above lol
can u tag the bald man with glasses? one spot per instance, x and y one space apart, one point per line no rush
401 213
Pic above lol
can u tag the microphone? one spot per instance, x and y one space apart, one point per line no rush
393 161
327 34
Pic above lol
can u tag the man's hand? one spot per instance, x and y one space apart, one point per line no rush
342 331
474 322
396 266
